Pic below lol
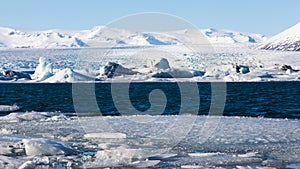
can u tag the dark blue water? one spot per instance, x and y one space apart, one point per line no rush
266 99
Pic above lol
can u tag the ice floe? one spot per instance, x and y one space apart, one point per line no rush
43 71
34 147
50 139
7 108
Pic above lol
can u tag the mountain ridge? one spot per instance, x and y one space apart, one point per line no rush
106 36
287 40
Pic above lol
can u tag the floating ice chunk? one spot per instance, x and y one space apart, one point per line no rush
266 75
45 147
162 64
118 156
197 73
192 166
42 161
5 150
245 69
231 78
10 162
106 135
112 69
257 79
6 108
145 164
289 71
28 165
43 71
247 155
28 116
56 118
242 69
173 73
5 131
68 76
162 156
204 154
243 167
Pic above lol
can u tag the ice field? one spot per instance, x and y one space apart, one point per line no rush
49 139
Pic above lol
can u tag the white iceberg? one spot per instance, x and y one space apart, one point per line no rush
289 71
173 73
68 76
106 135
10 162
35 147
7 108
119 156
162 64
43 71
242 69
28 165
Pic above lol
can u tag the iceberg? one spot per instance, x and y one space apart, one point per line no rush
112 69
173 73
119 156
68 76
28 165
34 147
43 71
7 108
162 64
164 70
242 69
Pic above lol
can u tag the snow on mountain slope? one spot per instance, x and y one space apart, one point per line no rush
288 40
103 36
13 38
231 37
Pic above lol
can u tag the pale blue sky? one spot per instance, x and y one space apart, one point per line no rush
258 16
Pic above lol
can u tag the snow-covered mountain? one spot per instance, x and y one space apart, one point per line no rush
228 36
288 40
12 38
102 36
